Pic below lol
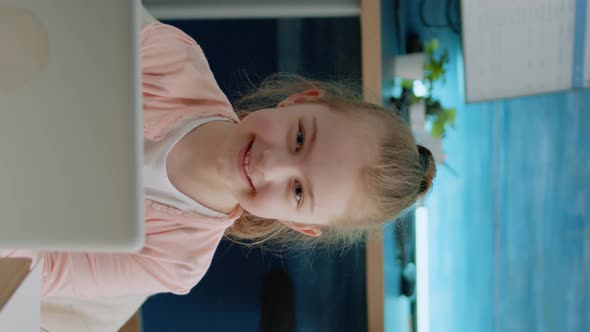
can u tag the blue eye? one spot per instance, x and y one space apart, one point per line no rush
298 192
300 139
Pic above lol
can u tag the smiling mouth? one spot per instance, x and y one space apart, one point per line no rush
246 164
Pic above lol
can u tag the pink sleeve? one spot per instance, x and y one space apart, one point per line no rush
174 260
176 74
87 275
90 275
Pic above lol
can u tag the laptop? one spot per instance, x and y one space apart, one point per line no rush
71 133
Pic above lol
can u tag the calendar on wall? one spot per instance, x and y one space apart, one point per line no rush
525 47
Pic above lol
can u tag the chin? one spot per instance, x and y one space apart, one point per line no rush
249 207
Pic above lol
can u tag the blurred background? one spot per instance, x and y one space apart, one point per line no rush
502 243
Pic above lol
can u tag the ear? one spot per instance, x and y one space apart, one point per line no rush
309 230
303 97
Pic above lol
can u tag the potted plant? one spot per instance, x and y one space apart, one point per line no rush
416 75
421 90
434 70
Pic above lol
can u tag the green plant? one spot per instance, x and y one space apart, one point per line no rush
434 70
434 67
440 116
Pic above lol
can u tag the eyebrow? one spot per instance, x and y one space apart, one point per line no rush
311 145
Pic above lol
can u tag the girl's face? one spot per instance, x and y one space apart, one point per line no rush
299 163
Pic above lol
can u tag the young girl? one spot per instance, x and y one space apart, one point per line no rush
306 158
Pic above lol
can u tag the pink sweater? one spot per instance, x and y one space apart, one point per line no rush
179 246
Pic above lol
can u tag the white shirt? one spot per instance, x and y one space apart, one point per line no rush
157 185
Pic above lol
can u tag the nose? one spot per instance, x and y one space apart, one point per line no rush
275 165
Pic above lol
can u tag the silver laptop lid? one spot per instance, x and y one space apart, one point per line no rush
71 137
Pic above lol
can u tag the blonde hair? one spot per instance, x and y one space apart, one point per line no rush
402 175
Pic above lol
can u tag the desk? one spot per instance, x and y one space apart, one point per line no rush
20 309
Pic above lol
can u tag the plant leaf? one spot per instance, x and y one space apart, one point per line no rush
407 84
438 128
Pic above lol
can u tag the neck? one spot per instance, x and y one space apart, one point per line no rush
192 166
